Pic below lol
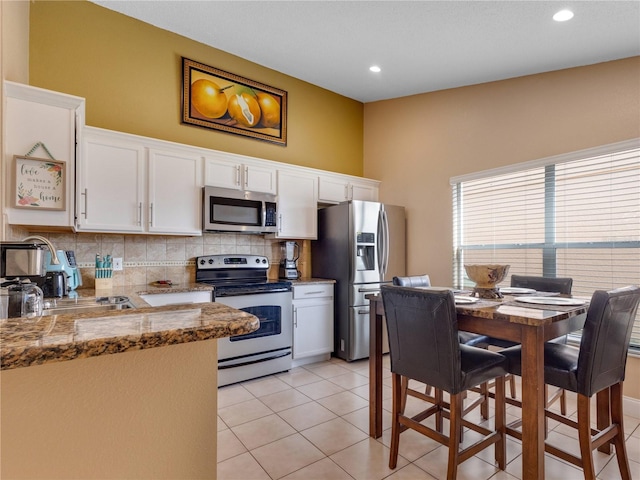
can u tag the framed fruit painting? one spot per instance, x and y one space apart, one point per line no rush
220 100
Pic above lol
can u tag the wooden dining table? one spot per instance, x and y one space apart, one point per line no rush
507 319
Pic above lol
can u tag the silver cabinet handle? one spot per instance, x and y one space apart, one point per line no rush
86 195
246 177
280 223
313 293
140 213
151 214
238 175
346 192
295 317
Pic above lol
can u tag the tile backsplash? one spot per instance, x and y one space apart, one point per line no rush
148 258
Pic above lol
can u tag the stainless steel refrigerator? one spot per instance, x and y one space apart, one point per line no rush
361 245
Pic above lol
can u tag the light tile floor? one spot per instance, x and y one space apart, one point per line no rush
312 423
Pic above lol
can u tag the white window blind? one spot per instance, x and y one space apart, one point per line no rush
576 215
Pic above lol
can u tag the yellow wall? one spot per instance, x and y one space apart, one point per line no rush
415 144
130 74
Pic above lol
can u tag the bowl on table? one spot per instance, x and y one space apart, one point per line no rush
486 277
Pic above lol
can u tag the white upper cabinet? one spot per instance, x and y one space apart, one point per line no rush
111 185
33 115
175 196
237 172
297 205
133 185
340 188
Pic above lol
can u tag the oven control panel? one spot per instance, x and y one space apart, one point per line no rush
218 262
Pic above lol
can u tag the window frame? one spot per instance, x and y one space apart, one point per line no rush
549 247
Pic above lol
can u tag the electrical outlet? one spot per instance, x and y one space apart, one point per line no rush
117 264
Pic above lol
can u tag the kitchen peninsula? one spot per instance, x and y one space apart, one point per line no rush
120 394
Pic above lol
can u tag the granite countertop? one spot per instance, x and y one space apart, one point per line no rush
56 338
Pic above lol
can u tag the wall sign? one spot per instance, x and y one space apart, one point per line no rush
220 100
39 183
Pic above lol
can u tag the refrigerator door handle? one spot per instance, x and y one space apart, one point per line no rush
380 244
385 244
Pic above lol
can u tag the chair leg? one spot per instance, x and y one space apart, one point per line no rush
512 385
397 394
404 385
584 437
563 402
455 424
500 424
439 396
484 406
618 441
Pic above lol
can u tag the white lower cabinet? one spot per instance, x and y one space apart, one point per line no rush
162 299
312 321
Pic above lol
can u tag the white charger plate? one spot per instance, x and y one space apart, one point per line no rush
551 301
517 291
465 300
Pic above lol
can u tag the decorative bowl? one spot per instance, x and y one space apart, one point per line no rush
487 276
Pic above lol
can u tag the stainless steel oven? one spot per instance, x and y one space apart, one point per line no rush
241 282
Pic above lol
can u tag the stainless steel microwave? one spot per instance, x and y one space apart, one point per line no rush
228 210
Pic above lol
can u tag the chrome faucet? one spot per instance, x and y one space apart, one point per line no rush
54 257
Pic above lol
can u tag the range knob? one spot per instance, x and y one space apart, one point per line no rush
257 260
202 261
264 260
211 261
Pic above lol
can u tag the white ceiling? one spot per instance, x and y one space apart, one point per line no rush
421 46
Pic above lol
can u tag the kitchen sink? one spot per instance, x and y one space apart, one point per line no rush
67 306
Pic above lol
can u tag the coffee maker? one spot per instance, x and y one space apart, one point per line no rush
290 252
23 261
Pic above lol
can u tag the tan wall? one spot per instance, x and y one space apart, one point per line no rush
148 414
130 74
415 144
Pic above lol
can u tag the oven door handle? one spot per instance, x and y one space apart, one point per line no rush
252 362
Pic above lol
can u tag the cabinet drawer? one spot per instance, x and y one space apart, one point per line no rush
317 290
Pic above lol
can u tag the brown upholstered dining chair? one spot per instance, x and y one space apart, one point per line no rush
560 285
466 338
423 344
598 364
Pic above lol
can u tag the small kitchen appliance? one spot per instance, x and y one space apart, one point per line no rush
24 260
290 252
25 300
68 266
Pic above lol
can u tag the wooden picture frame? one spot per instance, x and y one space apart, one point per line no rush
213 98
39 183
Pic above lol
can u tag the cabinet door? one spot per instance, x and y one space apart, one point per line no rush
220 172
363 192
297 205
259 179
332 189
312 327
111 185
175 194
33 115
233 173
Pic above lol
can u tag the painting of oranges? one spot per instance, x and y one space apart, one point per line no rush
220 100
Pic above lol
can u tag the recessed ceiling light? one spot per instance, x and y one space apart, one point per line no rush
375 68
563 16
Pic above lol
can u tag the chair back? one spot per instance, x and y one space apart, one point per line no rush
412 281
423 335
605 339
543 284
